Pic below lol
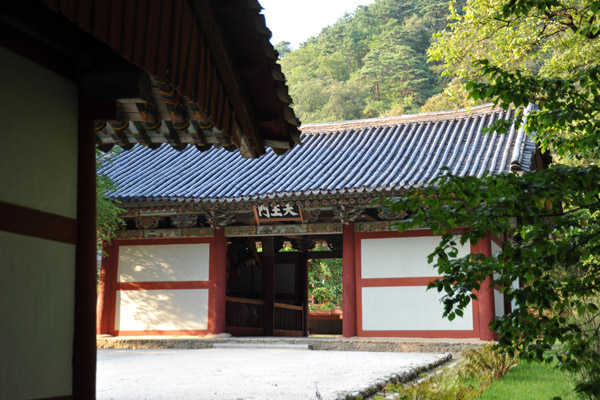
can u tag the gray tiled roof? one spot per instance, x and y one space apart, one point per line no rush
380 154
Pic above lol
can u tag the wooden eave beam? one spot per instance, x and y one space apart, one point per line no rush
121 85
205 18
276 143
314 255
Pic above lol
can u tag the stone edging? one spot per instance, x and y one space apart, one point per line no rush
401 377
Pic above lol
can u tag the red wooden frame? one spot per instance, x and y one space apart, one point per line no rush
30 222
485 294
497 240
109 285
395 282
182 332
175 285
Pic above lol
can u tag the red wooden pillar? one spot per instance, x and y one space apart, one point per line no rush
268 260
349 282
485 294
106 289
218 275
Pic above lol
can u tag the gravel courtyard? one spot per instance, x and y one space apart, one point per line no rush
249 373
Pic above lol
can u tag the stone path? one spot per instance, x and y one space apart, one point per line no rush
252 373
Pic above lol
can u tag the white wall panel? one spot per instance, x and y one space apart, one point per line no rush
38 159
498 303
400 257
162 309
38 170
37 297
164 263
495 248
408 308
513 303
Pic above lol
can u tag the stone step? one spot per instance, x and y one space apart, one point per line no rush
259 345
452 346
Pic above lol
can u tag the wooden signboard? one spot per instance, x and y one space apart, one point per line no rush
277 212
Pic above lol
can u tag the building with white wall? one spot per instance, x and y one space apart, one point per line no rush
321 191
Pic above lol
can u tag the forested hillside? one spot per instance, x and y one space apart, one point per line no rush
370 63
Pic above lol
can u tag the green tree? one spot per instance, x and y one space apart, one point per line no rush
397 73
378 51
325 283
108 212
283 48
552 216
540 43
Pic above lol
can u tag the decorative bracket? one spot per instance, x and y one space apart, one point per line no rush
184 221
347 213
217 219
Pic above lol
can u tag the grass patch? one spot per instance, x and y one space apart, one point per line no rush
489 375
532 381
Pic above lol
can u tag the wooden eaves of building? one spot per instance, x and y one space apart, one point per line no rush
186 262
79 75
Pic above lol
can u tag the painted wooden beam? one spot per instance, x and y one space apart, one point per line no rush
231 81
218 276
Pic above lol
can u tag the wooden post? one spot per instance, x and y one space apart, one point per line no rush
106 288
84 335
349 282
303 260
268 261
485 294
218 274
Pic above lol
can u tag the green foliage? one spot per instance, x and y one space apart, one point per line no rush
108 212
325 283
367 64
450 384
554 216
486 363
467 380
545 53
454 96
283 48
553 39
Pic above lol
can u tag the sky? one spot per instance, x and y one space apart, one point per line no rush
295 21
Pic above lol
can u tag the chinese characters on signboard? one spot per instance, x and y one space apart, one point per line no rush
277 212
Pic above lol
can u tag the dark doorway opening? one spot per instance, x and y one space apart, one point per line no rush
268 284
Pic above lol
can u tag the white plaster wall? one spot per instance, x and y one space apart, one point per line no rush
36 309
408 308
38 169
38 156
498 297
513 303
162 309
400 257
163 263
498 303
285 278
495 248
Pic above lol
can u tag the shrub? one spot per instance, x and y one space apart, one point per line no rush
486 363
